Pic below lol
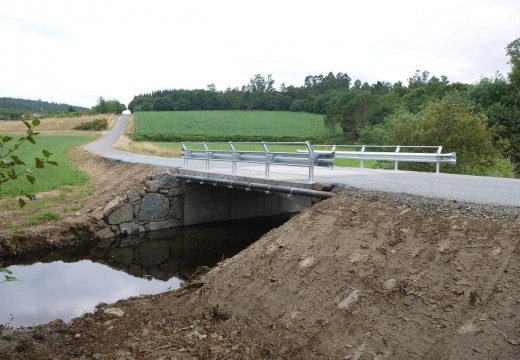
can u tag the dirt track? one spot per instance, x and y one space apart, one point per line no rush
359 276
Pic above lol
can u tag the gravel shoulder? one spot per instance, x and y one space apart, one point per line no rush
363 275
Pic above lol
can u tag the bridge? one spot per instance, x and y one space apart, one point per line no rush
220 174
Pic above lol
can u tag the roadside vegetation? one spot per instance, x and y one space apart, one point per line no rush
94 125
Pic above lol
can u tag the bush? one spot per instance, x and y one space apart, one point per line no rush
95 125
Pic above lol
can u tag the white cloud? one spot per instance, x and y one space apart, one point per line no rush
74 52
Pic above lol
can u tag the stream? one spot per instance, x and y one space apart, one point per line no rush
66 283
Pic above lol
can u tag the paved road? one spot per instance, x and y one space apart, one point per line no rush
475 189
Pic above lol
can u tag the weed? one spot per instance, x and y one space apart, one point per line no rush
48 215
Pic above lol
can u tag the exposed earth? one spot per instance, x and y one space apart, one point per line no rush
362 275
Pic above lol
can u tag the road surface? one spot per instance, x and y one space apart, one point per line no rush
474 189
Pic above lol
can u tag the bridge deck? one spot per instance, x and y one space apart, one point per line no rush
465 188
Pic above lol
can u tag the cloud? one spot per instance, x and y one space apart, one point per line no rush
118 49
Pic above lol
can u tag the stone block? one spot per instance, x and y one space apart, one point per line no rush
166 181
152 186
122 214
105 233
153 207
175 192
133 196
112 205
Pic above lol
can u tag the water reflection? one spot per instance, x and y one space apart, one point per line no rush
65 283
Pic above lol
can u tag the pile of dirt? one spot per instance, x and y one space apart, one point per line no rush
359 276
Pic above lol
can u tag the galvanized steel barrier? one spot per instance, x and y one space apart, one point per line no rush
397 156
309 157
266 156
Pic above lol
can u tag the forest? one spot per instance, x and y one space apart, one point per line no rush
480 121
17 109
14 109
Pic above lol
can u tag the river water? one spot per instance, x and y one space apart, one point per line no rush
66 283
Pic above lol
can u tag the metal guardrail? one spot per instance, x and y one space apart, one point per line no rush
397 156
308 158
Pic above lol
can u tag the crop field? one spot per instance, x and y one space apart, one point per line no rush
51 177
229 126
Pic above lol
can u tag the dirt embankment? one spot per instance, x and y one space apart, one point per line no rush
359 276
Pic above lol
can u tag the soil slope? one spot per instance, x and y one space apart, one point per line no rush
359 276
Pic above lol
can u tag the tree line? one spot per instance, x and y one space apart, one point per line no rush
15 108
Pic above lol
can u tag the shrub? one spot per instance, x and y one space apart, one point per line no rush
94 125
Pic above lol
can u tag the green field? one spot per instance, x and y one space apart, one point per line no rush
230 126
51 177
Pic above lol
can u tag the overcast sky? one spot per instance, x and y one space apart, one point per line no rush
75 51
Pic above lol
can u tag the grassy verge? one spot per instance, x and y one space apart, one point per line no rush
51 177
58 189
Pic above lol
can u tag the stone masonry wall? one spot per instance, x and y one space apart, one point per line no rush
158 205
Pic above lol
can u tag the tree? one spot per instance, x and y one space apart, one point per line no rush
10 163
452 123
358 113
108 106
513 51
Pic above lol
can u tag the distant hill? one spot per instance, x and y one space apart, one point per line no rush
37 106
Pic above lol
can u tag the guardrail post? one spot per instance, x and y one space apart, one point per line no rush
267 160
362 164
183 145
438 164
207 155
396 167
311 161
234 163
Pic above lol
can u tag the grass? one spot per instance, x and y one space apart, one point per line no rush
51 177
38 217
220 125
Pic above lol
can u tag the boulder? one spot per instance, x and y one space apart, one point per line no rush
153 207
133 196
152 186
112 205
122 214
166 181
105 233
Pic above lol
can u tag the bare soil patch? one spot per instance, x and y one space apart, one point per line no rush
359 276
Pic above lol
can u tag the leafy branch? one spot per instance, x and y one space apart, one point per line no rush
10 164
